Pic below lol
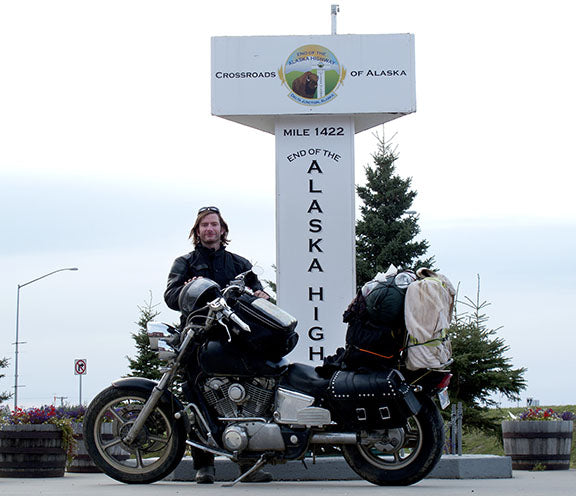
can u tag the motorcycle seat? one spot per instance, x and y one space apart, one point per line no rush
305 379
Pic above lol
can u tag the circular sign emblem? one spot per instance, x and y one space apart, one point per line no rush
312 73
79 367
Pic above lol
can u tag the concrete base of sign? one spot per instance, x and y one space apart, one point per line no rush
335 468
473 467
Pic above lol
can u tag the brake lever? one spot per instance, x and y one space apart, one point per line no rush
223 324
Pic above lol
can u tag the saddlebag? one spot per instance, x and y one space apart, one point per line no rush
371 400
272 333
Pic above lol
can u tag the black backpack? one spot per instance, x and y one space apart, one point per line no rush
376 334
385 299
373 343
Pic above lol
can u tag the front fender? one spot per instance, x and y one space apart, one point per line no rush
146 386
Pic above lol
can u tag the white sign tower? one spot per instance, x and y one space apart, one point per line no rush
314 93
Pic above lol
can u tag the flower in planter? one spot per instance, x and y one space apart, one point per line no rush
41 415
74 413
544 414
568 415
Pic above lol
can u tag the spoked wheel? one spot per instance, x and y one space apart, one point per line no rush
400 457
155 453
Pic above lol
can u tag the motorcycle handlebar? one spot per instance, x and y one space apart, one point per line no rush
239 322
220 306
230 315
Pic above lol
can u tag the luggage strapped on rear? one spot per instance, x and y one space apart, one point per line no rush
428 312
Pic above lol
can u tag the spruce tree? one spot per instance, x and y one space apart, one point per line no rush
481 368
386 231
146 362
3 364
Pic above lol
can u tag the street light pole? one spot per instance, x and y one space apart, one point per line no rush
17 342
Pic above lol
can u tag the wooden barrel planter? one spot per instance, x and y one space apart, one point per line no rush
31 450
81 461
538 444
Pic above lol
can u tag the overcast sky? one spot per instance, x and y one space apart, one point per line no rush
108 148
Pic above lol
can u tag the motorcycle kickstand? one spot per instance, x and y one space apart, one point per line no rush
257 466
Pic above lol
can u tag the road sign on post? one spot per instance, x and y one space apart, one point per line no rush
80 366
80 370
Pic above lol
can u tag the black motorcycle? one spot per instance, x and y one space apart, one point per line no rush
242 400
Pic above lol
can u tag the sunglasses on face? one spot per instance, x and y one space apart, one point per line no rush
209 209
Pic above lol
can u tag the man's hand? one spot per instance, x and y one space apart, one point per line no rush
262 294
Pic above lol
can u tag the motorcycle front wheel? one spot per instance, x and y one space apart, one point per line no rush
155 453
422 441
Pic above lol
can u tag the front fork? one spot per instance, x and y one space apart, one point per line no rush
149 406
157 393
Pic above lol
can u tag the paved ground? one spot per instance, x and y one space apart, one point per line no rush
334 468
522 483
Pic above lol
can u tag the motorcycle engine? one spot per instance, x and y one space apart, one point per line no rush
237 398
246 404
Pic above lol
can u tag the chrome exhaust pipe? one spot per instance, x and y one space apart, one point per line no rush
334 438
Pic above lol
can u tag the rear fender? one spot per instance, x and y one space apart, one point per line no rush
430 382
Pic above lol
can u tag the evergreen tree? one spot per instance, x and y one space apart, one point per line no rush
386 231
146 362
3 364
480 368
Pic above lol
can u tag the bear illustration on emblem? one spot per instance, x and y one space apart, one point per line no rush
312 74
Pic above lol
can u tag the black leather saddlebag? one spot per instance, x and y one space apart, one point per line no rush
371 400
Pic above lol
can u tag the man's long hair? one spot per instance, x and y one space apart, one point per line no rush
194 231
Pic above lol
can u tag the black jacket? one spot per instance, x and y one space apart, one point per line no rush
219 265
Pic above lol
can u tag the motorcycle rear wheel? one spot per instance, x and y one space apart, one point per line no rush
410 463
157 450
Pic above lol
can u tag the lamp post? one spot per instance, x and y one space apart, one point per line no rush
17 328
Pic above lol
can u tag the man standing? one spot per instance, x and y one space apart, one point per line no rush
210 259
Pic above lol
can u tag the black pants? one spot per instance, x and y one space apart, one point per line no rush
202 459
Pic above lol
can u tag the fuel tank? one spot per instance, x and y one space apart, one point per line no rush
225 359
